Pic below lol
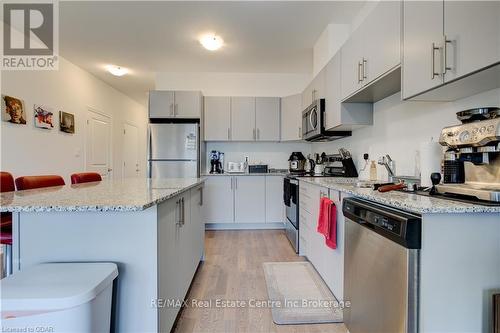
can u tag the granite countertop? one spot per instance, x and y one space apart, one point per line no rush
406 201
133 194
282 174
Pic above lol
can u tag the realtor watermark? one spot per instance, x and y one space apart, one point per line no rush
30 35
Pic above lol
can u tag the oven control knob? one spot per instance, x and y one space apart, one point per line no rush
464 136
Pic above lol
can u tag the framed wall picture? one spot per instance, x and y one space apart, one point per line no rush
44 117
66 122
13 110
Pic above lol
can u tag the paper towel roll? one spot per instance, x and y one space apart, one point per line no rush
431 154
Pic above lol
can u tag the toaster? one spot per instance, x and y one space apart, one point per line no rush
235 167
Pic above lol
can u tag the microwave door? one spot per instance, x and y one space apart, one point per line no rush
305 124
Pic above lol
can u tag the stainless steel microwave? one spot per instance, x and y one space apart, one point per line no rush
313 124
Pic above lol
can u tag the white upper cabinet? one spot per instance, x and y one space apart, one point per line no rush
382 40
373 49
447 40
267 118
243 119
217 118
422 37
291 118
175 104
188 104
352 63
161 104
472 29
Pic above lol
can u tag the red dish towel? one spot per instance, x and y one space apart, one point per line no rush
327 222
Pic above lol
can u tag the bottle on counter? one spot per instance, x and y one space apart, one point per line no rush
373 171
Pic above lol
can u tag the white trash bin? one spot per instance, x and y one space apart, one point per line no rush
58 297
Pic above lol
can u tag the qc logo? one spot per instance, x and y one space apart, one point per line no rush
30 39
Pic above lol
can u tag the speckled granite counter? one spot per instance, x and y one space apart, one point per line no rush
282 174
406 201
132 194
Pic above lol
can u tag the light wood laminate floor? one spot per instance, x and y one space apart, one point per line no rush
233 271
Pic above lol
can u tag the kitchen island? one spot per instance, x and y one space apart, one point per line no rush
152 229
459 259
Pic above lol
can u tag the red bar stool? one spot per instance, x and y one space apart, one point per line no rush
6 185
85 177
31 182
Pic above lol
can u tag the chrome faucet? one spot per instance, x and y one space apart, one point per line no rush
389 164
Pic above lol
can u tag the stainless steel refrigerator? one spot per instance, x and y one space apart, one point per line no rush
174 150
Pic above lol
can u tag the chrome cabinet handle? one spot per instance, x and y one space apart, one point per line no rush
300 133
365 63
254 134
433 61
172 111
176 108
183 211
231 183
229 134
178 212
201 196
446 41
258 134
360 65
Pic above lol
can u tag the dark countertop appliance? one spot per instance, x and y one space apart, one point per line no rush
296 162
340 165
313 124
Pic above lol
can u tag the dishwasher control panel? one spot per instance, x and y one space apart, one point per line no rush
402 227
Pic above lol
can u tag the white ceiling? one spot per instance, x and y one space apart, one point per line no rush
149 37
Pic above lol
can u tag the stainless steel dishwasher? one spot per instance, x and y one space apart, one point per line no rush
381 268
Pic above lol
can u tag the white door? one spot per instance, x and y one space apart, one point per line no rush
130 151
275 208
243 119
382 39
291 118
188 104
473 31
352 57
161 104
249 199
218 200
98 144
422 28
267 118
217 118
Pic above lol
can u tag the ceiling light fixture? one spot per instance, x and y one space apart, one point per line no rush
211 42
117 70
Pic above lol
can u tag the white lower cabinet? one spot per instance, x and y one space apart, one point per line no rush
180 249
245 199
329 263
219 197
275 210
249 199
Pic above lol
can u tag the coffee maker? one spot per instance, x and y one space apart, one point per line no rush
471 166
216 162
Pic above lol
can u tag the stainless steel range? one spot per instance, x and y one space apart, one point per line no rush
291 200
472 161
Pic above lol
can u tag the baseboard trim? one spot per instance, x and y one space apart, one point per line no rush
243 226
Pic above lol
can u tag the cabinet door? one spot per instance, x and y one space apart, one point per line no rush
267 118
473 29
332 93
307 96
188 104
243 119
382 39
168 273
185 246
196 227
352 56
161 104
274 199
218 207
217 118
249 199
291 118
422 26
318 85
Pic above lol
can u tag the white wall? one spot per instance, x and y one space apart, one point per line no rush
235 84
399 128
328 44
272 153
26 150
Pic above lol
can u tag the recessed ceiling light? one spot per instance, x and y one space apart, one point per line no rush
211 42
117 70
